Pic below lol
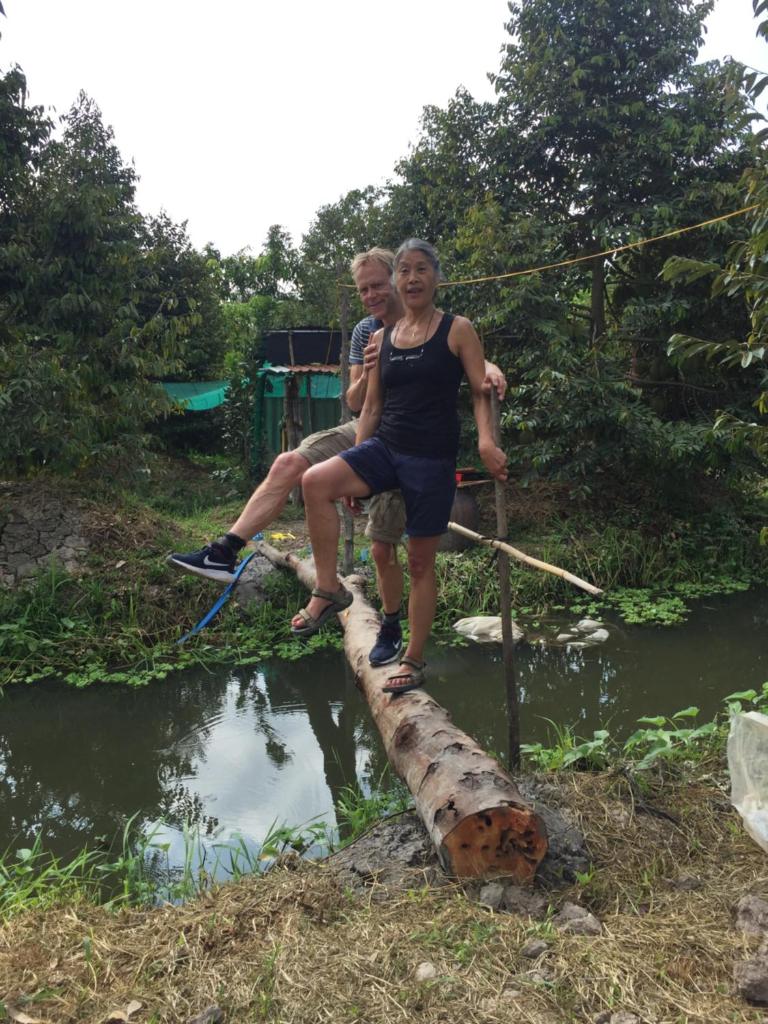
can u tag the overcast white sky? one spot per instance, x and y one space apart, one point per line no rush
239 114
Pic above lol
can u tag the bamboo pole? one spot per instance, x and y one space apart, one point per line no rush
536 563
478 822
505 601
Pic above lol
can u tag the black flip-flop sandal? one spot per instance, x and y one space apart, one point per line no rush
340 599
413 679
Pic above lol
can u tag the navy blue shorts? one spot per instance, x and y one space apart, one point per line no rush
427 485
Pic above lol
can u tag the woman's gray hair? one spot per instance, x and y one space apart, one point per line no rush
420 245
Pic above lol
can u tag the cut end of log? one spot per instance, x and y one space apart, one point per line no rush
501 840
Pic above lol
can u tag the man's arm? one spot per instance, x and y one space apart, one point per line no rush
373 406
359 367
468 347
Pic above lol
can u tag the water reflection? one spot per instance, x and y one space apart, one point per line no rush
234 750
238 750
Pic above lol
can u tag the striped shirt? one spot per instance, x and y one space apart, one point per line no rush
361 334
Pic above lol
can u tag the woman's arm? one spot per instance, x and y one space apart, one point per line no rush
373 406
494 378
464 343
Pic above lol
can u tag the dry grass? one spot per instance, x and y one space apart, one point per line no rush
292 947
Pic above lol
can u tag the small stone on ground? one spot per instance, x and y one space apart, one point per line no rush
752 915
425 972
751 979
534 948
575 920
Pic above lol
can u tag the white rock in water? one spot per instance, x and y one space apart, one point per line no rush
485 629
587 626
562 637
576 645
425 972
598 637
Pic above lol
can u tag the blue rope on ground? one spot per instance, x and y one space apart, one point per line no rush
224 597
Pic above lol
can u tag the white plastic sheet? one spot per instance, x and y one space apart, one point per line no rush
482 628
748 766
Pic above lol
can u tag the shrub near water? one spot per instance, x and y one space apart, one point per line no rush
659 739
136 870
121 620
648 577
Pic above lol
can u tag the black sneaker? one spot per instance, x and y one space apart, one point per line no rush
214 561
389 644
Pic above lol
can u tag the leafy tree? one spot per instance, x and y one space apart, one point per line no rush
24 132
180 280
452 167
338 232
81 357
609 119
272 273
744 275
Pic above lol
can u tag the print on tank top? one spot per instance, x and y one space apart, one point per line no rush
405 356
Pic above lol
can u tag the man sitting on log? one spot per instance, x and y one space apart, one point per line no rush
372 274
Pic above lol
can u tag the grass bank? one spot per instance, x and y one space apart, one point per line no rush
120 618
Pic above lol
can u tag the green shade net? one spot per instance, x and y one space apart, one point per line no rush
322 385
205 394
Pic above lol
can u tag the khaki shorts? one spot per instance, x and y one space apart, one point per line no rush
386 512
386 518
327 443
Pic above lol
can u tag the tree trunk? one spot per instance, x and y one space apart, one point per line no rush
477 820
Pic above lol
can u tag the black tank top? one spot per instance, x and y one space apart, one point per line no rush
420 388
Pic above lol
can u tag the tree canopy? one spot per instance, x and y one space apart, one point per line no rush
604 130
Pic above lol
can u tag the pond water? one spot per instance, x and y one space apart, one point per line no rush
235 751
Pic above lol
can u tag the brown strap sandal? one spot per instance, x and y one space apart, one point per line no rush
403 682
339 600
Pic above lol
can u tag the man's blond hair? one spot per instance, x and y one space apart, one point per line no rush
384 256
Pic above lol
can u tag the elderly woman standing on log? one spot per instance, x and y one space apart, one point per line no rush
407 438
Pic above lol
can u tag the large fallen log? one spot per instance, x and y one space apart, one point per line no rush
479 823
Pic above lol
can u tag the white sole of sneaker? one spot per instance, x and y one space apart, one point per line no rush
388 661
219 575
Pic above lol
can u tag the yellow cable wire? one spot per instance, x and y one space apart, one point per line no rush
594 255
606 252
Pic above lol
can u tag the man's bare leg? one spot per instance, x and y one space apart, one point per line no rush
269 499
389 576
218 560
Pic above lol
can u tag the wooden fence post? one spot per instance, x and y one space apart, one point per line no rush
507 640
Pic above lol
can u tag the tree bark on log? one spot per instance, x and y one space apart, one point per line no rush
477 820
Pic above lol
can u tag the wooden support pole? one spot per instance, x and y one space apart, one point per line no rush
474 813
293 424
505 601
348 558
536 563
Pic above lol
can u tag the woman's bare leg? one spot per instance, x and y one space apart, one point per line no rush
323 485
423 597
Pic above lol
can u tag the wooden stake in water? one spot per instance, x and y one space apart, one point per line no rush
507 640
